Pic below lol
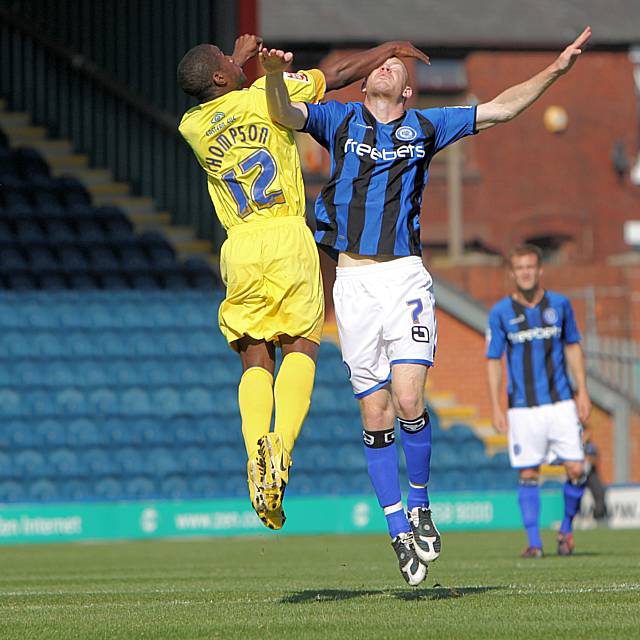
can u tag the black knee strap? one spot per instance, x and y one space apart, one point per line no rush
378 439
414 426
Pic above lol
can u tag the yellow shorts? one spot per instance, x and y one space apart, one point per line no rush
274 287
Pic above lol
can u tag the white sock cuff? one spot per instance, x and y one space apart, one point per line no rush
392 508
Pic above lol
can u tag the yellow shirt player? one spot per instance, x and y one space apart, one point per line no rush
269 261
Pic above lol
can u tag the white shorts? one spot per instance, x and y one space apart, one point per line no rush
539 434
386 315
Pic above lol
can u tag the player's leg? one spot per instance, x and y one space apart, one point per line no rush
292 393
527 450
566 443
255 392
529 502
293 387
573 491
378 418
411 337
408 382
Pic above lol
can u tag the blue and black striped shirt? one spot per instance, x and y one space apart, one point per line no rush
534 338
371 204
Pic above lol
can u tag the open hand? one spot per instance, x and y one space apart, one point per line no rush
404 49
567 58
246 47
275 60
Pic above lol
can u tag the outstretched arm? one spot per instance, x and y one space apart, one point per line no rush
347 69
338 73
515 100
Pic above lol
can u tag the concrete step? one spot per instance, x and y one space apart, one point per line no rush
193 248
180 234
12 119
460 412
151 221
51 148
130 204
94 177
25 136
108 190
68 163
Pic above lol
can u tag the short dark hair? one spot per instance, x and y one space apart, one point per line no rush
525 249
196 69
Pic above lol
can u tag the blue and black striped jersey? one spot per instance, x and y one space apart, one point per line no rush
534 339
371 204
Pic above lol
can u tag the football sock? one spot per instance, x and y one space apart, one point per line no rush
382 464
529 500
292 392
416 443
255 397
572 495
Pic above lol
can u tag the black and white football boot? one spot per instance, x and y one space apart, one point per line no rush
425 534
413 571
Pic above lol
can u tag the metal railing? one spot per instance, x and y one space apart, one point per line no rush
615 362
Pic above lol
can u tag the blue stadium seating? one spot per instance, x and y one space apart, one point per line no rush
131 394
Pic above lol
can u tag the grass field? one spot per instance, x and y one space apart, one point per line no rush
320 587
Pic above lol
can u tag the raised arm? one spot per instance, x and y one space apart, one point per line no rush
516 99
246 47
281 109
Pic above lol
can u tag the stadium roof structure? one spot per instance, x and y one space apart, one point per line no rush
469 24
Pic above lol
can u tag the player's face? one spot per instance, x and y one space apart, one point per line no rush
230 70
526 271
389 79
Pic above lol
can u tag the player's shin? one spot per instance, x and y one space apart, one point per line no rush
529 500
292 392
382 464
416 443
573 490
255 397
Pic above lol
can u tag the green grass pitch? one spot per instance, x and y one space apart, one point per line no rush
320 587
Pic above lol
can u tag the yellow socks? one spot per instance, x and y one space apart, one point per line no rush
255 397
292 392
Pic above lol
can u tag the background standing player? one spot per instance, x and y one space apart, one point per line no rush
369 213
269 262
538 330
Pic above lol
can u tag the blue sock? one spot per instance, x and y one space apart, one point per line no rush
416 443
382 463
529 500
572 496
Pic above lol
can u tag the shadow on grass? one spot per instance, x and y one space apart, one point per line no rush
337 595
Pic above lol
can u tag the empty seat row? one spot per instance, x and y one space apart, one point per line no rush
109 344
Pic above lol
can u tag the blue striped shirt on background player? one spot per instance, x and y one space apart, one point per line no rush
534 339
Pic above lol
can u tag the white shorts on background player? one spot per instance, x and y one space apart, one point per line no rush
386 315
548 431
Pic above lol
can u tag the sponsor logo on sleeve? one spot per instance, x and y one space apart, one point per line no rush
300 77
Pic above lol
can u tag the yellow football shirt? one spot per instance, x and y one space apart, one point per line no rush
251 162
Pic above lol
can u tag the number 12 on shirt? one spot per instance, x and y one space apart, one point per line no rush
265 174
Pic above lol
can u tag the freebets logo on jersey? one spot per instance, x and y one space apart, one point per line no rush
366 150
